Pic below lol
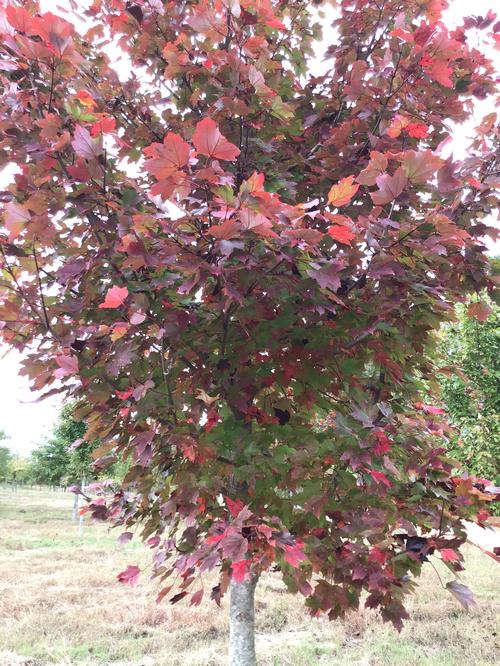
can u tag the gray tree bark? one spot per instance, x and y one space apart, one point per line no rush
242 623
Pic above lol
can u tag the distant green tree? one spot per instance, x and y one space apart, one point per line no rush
57 462
5 457
472 395
21 470
67 431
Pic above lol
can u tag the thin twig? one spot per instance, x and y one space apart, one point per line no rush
40 289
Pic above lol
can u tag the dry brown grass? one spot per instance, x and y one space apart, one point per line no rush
60 603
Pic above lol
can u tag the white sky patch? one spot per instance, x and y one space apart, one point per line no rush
28 423
25 422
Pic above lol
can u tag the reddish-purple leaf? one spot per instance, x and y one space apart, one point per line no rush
68 365
125 537
196 598
142 446
446 177
85 145
327 276
163 593
389 187
429 409
130 575
379 477
234 546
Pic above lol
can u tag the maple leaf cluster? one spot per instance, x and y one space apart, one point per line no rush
217 249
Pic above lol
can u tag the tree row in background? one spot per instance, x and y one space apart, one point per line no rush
63 460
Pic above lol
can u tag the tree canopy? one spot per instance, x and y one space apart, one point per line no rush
63 458
219 245
472 395
5 457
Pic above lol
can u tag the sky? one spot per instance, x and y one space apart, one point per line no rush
28 423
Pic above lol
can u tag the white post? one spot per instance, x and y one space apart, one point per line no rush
76 502
80 524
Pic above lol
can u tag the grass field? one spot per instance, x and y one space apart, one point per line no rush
60 603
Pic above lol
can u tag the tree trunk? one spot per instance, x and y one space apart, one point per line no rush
242 623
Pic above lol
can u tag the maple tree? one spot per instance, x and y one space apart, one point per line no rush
218 246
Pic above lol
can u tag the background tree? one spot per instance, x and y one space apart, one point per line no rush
5 457
21 470
216 247
58 462
472 396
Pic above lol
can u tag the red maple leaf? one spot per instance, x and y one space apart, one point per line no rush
16 219
417 130
234 506
378 555
209 141
115 297
124 395
294 555
449 555
420 166
383 444
379 477
439 70
168 157
212 419
86 99
239 570
102 126
224 231
341 234
474 182
196 598
19 18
